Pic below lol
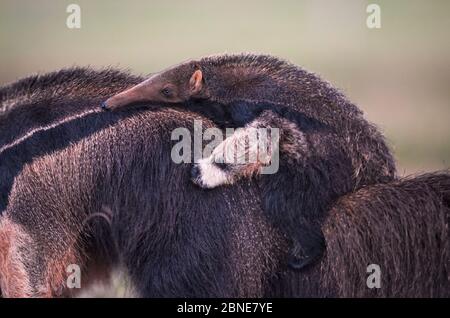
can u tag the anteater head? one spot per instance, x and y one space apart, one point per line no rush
222 78
174 85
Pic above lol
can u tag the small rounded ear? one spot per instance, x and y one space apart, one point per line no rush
196 82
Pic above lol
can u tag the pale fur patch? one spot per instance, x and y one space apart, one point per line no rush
245 153
30 133
211 175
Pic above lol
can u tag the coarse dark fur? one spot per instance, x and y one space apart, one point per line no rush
339 151
43 113
171 242
225 227
160 230
401 226
68 83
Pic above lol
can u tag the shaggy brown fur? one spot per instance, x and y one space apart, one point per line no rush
65 84
402 226
163 233
176 240
43 113
343 151
266 79
14 280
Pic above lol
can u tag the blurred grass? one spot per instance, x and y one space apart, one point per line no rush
399 74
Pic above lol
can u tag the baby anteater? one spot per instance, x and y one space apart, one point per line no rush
326 147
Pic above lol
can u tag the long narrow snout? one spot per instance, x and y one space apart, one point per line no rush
139 93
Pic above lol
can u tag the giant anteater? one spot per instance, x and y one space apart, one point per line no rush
401 226
170 244
177 241
327 147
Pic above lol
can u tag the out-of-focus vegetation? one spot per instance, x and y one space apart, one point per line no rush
399 74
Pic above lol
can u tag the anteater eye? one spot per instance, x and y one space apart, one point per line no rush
167 92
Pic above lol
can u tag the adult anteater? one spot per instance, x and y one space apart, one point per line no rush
401 228
327 148
173 243
222 247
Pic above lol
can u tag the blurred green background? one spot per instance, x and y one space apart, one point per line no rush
399 74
